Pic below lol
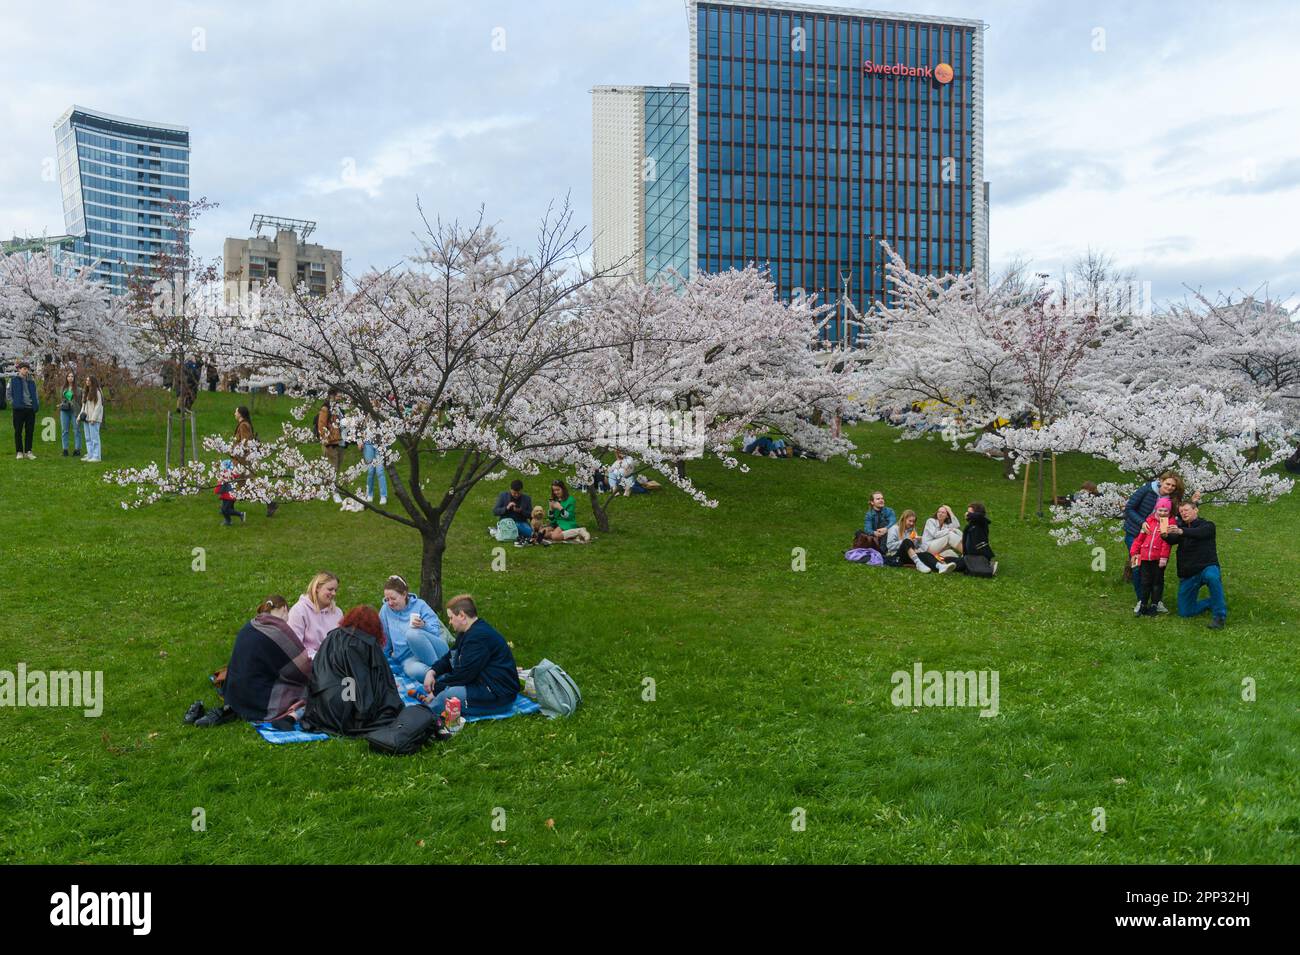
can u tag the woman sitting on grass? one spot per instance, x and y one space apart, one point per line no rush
942 534
562 510
902 544
415 635
315 614
269 667
975 539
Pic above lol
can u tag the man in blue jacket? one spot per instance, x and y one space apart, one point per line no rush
480 670
23 397
879 519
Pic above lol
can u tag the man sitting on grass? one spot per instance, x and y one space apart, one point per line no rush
479 670
517 506
1198 566
879 519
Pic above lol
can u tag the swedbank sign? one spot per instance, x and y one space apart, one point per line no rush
941 73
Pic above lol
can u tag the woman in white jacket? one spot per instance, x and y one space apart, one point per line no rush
901 545
92 415
942 534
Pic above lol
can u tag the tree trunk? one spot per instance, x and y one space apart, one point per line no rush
598 512
435 543
681 468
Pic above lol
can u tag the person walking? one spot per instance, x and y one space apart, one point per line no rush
246 434
92 417
69 416
26 402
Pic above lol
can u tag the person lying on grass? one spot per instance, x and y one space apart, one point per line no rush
479 671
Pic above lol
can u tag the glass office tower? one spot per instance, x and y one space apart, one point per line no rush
818 132
118 176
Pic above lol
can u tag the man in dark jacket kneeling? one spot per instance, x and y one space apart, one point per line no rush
1198 566
479 670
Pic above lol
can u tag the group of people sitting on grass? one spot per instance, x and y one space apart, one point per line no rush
768 446
556 523
941 545
270 673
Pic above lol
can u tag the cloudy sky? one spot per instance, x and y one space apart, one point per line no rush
1165 134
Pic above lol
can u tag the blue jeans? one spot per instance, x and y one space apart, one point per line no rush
525 530
68 423
92 440
368 454
1190 588
425 649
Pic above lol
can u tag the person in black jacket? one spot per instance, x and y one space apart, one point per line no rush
23 396
1198 566
479 670
352 690
975 538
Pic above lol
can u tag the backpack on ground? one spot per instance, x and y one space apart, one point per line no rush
404 736
557 694
507 530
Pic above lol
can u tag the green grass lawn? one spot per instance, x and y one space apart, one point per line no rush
772 686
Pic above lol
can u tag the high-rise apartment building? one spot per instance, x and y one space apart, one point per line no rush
118 178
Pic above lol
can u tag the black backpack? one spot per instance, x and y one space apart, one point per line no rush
404 736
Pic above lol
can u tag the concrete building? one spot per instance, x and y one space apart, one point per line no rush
640 180
815 134
287 259
118 177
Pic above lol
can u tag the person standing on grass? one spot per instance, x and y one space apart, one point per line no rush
1139 507
331 436
480 671
416 638
879 519
316 614
26 402
245 433
1150 554
92 417
517 506
69 419
562 511
1198 566
375 474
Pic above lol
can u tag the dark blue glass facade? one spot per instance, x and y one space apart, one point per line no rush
667 176
805 162
118 178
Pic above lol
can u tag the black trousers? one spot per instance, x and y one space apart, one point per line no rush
228 509
24 428
909 547
1153 583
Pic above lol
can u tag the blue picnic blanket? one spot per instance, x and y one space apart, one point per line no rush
521 706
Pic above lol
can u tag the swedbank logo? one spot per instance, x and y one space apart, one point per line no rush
942 73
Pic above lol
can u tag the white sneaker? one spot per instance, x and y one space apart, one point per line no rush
995 568
944 568
920 566
382 501
30 456
364 495
1161 608
1137 608
21 455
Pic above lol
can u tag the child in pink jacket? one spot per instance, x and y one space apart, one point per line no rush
1151 551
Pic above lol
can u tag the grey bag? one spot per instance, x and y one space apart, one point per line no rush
557 694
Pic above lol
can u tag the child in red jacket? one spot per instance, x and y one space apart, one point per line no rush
226 491
1151 551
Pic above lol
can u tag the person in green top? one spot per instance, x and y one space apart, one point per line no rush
562 511
68 419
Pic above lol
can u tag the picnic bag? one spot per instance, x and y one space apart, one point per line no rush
557 694
404 736
507 530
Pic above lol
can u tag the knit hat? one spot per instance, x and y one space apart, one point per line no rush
1165 503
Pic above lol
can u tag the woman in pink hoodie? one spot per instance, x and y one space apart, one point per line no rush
315 614
1150 551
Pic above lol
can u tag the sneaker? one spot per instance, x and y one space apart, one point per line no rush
1137 609
216 717
76 453
243 518
944 568
995 568
21 455
1161 608
383 501
30 456
1217 623
65 452
521 543
920 566
364 495
194 712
